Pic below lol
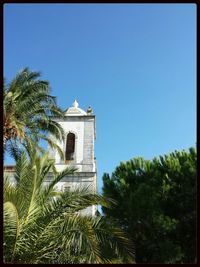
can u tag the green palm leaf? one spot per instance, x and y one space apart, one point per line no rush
28 113
11 230
45 226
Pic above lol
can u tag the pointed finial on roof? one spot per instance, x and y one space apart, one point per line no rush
75 104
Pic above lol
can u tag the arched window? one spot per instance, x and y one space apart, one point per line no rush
70 147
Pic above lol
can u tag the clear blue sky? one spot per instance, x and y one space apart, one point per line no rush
135 64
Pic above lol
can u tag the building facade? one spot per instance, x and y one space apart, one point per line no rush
78 147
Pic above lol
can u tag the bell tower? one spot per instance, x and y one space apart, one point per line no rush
78 148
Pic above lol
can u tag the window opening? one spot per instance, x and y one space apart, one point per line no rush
70 147
65 188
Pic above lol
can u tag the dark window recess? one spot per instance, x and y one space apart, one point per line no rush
66 188
70 146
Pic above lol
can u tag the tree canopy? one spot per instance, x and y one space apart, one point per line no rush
28 109
156 205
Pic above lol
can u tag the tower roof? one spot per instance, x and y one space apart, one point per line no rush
75 110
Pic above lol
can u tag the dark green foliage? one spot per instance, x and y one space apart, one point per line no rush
157 206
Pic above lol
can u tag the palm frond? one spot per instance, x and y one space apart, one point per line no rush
57 178
53 145
11 230
28 111
42 225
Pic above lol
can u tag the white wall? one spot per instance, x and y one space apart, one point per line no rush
76 127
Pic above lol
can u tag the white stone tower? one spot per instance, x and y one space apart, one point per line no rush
78 147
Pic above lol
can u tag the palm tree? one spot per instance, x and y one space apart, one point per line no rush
28 109
42 225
